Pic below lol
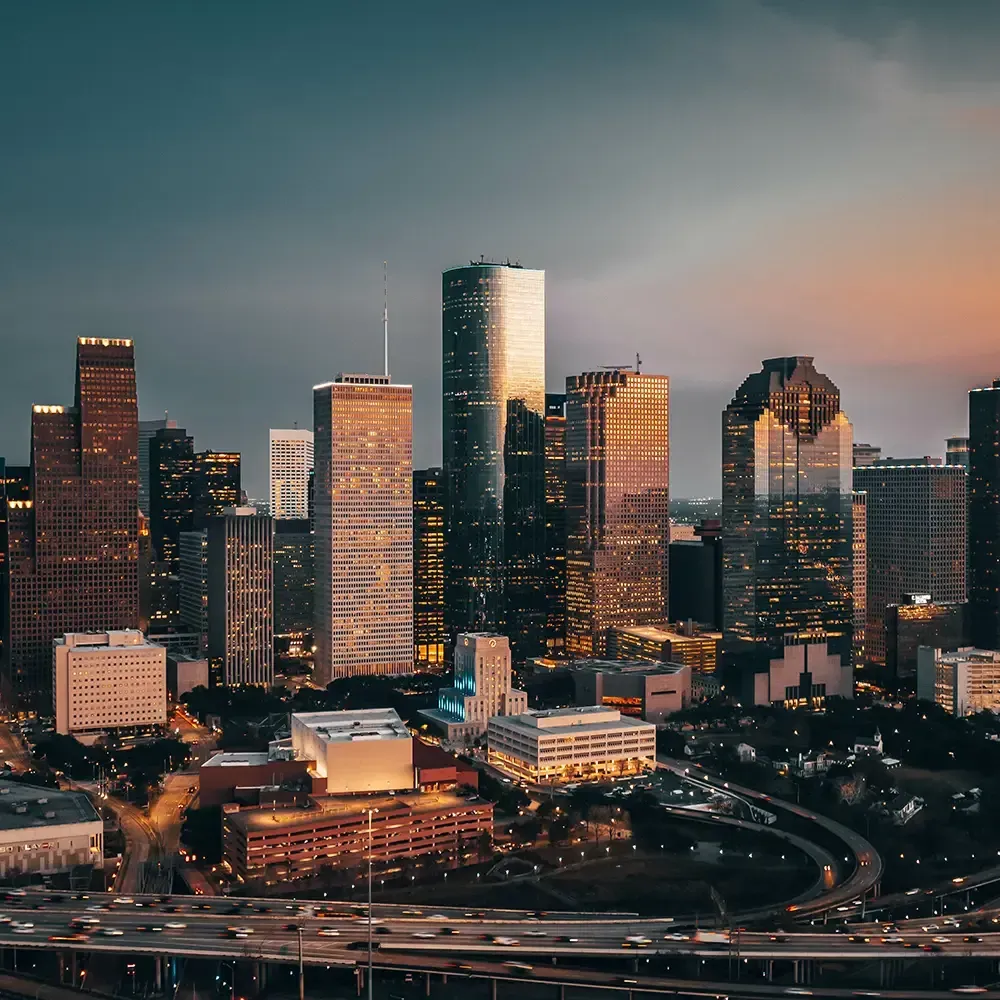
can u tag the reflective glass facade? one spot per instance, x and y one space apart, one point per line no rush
984 516
493 343
786 515
171 491
293 576
555 522
617 504
428 570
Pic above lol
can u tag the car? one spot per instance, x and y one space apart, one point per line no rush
508 941
798 992
67 937
174 925
447 930
16 893
779 938
636 941
374 920
383 930
893 939
97 908
567 939
535 934
23 929
290 927
517 966
940 939
969 989
150 929
4 919
858 939
972 938
413 913
931 947
123 900
112 932
328 932
191 789
423 934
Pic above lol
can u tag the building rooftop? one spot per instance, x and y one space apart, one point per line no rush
97 641
234 759
24 807
969 654
351 726
627 667
657 634
571 721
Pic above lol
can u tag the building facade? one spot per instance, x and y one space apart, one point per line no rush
240 592
957 451
493 347
105 681
859 529
147 428
696 575
636 689
193 586
429 634
682 643
363 620
617 506
786 516
555 522
171 491
984 516
73 548
916 540
291 462
294 577
217 485
918 621
962 682
866 454
804 676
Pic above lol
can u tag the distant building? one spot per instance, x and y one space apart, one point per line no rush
865 454
563 744
481 688
291 462
185 673
957 451
962 682
294 578
555 522
681 643
193 590
650 691
696 575
105 681
918 621
984 516
147 428
804 677
170 458
428 570
217 485
859 522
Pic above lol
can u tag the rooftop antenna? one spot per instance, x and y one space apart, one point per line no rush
385 312
638 362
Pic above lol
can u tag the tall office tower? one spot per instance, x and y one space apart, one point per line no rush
74 546
193 590
696 575
916 540
617 504
171 491
428 570
866 454
555 522
363 620
241 597
216 484
291 455
294 580
984 516
957 451
859 521
786 517
493 347
147 428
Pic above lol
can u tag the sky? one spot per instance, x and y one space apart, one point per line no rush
705 182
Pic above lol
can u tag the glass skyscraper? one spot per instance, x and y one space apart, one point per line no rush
428 569
984 516
786 515
493 341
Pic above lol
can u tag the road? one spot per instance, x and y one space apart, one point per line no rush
13 748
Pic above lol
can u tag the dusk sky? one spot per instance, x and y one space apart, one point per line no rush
707 183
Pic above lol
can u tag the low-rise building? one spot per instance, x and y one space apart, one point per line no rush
108 680
805 675
185 673
963 682
682 643
643 690
564 744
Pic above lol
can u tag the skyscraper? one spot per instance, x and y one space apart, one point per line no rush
240 556
786 516
984 516
291 462
866 454
364 527
193 588
294 579
428 569
957 451
493 339
916 540
555 522
216 484
147 428
171 490
617 504
859 518
74 546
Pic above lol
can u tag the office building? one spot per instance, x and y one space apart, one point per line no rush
617 504
984 516
184 673
73 547
428 570
240 590
555 522
865 454
916 540
171 491
482 687
291 456
14 489
786 517
650 691
681 643
44 831
193 588
217 485
804 676
294 578
103 681
918 621
962 682
957 451
563 744
147 428
696 574
493 341
363 622
859 548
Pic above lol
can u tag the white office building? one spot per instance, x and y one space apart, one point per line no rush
291 459
564 744
107 680
962 682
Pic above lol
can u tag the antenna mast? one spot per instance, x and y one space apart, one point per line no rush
385 312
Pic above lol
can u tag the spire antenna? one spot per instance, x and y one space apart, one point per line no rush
385 312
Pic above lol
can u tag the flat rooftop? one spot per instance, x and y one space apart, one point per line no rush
36 801
627 667
656 634
571 721
233 759
348 727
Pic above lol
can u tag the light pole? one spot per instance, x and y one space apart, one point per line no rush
370 811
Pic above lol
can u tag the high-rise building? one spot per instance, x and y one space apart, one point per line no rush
957 451
617 504
74 545
147 428
14 489
984 516
916 540
696 575
193 589
918 621
962 682
291 458
493 339
859 520
216 485
363 621
667 643
786 517
170 459
294 580
240 561
428 570
866 454
555 522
